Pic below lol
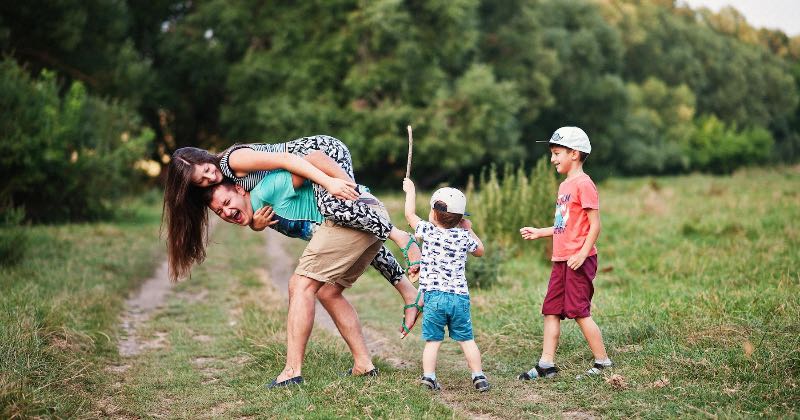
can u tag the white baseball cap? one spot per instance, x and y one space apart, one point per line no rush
572 137
455 201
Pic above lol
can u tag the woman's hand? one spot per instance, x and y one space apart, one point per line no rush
341 189
262 218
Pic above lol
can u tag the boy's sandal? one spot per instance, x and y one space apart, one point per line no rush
407 329
415 275
598 368
431 384
540 373
481 384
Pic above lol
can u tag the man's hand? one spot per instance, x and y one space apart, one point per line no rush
408 186
530 233
341 189
465 224
262 218
576 261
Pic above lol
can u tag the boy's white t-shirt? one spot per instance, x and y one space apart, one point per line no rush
444 258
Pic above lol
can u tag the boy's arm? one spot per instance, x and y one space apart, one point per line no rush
466 224
530 233
411 203
574 262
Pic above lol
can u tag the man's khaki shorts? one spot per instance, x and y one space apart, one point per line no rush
338 254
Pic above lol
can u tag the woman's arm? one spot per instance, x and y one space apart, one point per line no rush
324 163
245 160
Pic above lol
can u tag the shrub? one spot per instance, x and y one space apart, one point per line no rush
13 237
64 158
503 202
719 148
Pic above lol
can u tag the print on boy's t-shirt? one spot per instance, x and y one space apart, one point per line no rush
562 214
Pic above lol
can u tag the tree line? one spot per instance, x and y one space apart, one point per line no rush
661 88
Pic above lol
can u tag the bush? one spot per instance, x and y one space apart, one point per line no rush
719 148
502 204
64 158
13 237
483 272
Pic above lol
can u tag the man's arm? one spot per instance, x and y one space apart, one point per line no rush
574 262
411 203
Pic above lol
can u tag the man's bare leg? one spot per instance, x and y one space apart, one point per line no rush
302 299
345 317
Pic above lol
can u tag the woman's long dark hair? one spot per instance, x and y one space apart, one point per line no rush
184 212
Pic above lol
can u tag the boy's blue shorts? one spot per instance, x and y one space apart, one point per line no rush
450 309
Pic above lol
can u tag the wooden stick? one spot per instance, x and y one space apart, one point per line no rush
410 148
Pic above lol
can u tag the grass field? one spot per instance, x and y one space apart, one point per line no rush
697 295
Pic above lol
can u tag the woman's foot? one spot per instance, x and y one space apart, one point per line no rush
411 252
411 313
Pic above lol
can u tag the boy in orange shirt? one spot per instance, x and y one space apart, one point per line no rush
575 231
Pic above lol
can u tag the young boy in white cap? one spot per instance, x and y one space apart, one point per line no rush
575 231
448 237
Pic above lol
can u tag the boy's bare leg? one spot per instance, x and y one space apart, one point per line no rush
346 319
300 320
552 331
472 354
429 355
593 336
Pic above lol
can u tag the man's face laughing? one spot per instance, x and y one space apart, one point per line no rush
232 204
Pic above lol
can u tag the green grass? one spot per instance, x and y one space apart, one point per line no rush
698 283
59 308
698 298
223 339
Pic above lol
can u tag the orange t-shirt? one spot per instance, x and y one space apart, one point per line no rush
572 223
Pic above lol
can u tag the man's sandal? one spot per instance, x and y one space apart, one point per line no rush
411 276
419 307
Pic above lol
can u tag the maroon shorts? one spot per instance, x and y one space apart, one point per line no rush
569 293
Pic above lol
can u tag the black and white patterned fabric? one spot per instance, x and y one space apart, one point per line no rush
444 258
353 214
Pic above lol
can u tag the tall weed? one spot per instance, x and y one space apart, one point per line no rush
506 200
502 203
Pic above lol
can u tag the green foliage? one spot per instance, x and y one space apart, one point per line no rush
64 159
484 272
503 202
481 78
720 148
13 236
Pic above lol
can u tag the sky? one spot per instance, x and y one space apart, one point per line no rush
773 14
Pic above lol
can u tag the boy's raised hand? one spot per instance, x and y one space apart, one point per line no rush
262 218
408 185
530 233
465 224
